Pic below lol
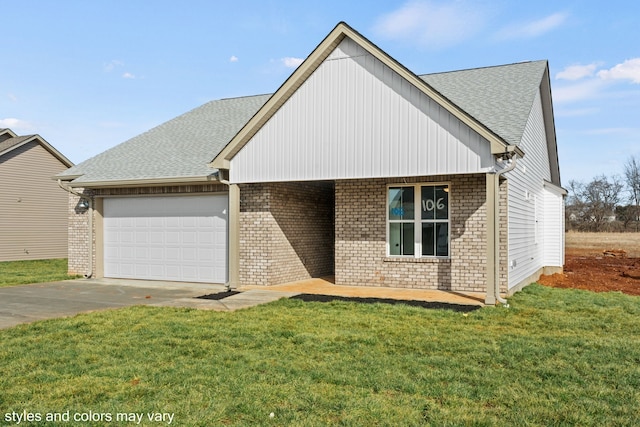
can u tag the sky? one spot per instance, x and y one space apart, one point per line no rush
88 75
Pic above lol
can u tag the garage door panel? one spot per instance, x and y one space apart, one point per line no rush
156 254
188 222
172 238
206 238
206 255
126 253
126 223
172 222
189 238
142 254
156 237
206 222
166 238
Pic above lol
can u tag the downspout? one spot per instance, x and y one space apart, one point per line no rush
511 164
89 272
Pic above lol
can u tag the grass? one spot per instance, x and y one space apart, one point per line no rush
598 242
39 271
556 357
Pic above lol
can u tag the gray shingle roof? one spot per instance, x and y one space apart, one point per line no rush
499 97
12 142
181 147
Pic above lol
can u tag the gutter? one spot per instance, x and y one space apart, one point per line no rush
89 272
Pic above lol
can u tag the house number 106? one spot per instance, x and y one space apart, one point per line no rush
429 205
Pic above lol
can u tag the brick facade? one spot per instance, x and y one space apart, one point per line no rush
286 232
360 245
295 231
78 235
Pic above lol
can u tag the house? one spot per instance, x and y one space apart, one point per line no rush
33 209
355 167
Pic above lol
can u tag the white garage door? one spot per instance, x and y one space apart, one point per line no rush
182 238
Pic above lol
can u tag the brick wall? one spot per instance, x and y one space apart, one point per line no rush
79 218
286 232
78 235
360 245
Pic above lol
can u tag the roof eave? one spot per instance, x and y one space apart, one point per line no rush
149 182
58 155
550 127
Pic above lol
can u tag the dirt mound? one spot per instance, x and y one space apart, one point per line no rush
610 270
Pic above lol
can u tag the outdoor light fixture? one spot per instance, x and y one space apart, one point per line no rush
83 204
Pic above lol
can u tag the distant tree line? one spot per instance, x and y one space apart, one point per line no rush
606 203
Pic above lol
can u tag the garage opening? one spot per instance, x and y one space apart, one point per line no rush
173 238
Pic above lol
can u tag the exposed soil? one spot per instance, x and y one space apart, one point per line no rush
463 308
593 263
219 295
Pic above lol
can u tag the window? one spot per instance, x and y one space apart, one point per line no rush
418 228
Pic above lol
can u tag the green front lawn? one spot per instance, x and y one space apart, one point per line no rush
39 271
556 357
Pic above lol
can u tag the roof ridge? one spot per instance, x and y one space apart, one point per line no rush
483 68
240 97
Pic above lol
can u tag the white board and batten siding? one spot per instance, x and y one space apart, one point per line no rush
535 234
356 118
181 238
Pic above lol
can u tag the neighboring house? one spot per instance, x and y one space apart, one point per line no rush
354 167
33 209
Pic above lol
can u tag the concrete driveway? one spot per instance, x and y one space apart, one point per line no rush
28 303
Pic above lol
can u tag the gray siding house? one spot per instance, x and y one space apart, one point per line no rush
33 209
355 167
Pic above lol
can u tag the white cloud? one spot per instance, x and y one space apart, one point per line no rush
233 58
577 72
594 83
128 76
15 124
12 97
586 89
431 23
113 64
291 62
628 70
534 28
609 131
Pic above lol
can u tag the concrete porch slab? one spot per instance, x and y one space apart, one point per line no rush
324 286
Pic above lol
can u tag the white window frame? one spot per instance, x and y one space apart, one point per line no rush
418 221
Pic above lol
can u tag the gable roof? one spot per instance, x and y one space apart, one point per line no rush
10 141
500 97
313 61
493 101
175 151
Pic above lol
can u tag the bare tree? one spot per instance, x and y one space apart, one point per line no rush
592 206
632 175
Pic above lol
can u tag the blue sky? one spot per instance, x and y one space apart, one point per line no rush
87 75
